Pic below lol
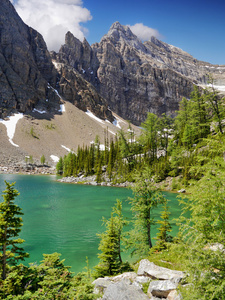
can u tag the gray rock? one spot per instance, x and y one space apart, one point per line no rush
127 275
161 288
124 290
135 77
28 77
101 284
148 268
142 279
174 295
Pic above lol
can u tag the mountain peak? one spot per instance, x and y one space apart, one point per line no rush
122 34
118 31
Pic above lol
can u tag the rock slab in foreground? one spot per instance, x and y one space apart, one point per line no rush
161 288
148 268
124 290
128 286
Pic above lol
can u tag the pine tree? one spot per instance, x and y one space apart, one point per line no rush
10 227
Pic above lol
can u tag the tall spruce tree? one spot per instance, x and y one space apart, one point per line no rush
163 236
146 198
149 137
10 227
110 243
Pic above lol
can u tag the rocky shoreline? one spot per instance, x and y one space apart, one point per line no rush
27 169
36 169
91 180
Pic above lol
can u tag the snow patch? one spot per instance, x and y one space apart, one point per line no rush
101 146
68 149
91 115
117 121
112 132
217 87
54 158
11 126
57 93
39 111
62 108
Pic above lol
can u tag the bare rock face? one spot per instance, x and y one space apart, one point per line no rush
25 64
75 89
28 77
135 77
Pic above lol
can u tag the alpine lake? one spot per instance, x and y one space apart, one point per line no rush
64 218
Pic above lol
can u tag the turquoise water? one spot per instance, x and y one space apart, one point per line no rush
65 218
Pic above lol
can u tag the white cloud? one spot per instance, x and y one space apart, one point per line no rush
143 32
53 18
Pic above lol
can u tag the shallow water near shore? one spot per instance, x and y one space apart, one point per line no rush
64 218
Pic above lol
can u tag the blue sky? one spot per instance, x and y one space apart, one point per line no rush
197 27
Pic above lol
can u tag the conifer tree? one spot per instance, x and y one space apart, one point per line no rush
163 236
216 104
202 229
146 198
10 227
59 166
110 240
150 135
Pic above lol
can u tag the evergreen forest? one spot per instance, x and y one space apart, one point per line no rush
188 148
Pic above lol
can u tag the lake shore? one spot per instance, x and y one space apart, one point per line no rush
27 169
36 169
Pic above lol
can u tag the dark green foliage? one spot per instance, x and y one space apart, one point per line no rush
146 198
110 244
42 159
10 227
203 232
49 280
59 167
163 236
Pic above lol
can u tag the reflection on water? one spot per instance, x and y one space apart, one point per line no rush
65 218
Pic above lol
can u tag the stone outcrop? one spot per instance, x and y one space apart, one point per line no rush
147 268
26 68
135 77
163 284
28 77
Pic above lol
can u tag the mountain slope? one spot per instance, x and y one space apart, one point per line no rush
135 77
28 77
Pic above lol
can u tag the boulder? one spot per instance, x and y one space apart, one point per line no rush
161 288
148 268
101 284
173 295
124 290
127 275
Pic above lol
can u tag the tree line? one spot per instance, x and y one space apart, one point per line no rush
168 146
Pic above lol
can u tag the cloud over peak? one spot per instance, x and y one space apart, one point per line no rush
143 32
53 18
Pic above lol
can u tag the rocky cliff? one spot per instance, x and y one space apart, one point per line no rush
29 79
135 77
